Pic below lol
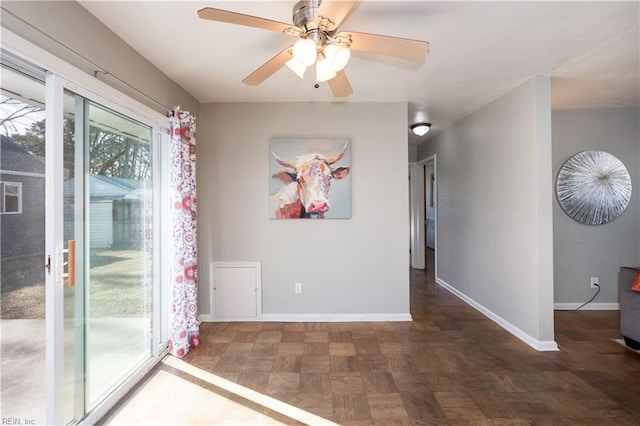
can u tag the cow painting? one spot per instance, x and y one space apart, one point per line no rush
307 183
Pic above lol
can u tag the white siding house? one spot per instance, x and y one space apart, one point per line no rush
103 190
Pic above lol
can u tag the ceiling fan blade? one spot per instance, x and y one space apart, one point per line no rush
403 48
340 86
220 15
269 68
337 10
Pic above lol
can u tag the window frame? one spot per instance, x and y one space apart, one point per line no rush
3 190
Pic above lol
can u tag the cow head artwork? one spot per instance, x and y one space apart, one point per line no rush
307 187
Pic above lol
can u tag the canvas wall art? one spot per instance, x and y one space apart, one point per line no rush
310 178
593 187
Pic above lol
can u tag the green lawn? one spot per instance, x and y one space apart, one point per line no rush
115 286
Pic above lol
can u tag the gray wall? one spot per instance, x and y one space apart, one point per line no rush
61 27
583 251
355 266
495 242
413 153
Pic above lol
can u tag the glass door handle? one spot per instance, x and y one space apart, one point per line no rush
71 263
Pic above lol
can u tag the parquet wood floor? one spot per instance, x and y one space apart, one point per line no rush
451 365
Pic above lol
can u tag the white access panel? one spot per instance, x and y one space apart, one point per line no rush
236 291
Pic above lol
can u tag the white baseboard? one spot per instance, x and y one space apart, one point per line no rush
587 307
335 317
539 345
239 319
314 318
210 318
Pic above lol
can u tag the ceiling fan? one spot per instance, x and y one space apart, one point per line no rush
315 23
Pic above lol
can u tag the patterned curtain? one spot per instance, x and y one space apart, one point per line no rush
185 332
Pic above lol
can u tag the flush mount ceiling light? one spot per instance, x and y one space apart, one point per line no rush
420 129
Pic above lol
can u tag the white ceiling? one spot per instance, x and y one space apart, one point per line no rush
479 51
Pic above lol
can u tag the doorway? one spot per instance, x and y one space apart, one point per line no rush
430 214
423 210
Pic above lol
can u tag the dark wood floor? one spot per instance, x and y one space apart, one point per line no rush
451 365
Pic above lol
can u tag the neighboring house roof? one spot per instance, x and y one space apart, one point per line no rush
15 158
104 187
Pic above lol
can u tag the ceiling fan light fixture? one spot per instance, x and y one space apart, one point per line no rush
338 56
305 51
420 129
316 23
295 66
324 71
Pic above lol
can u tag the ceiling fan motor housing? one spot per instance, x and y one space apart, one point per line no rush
304 16
304 13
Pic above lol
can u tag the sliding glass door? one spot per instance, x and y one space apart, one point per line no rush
22 253
83 309
109 238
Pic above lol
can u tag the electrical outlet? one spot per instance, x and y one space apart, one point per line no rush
298 288
594 282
